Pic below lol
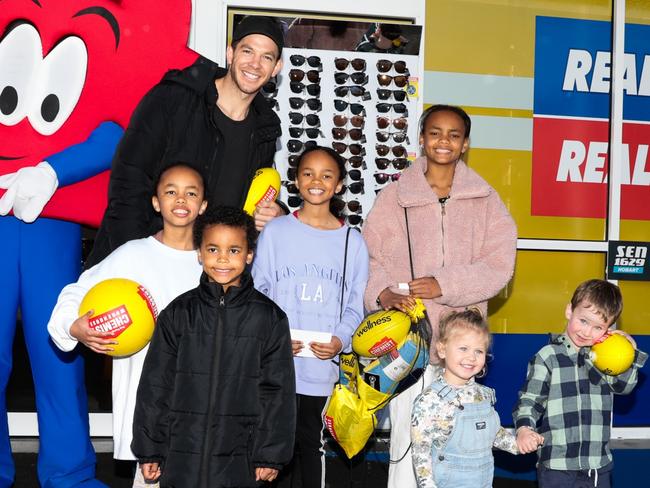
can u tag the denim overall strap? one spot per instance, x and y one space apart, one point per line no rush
444 391
466 461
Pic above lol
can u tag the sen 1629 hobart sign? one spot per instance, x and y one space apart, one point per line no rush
571 119
628 260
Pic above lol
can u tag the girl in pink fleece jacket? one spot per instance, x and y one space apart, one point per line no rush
463 245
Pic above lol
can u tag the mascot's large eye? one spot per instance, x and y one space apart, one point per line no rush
61 79
20 55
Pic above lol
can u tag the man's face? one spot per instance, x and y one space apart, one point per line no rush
253 62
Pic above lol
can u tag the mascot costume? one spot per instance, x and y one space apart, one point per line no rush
71 73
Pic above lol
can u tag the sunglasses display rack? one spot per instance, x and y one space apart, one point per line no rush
363 105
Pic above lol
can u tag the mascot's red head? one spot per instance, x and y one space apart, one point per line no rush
67 66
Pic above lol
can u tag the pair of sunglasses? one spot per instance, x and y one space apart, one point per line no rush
355 134
354 90
385 94
355 175
294 201
295 146
270 88
313 104
355 108
299 60
356 188
399 163
298 75
355 149
312 133
358 64
355 120
384 107
357 78
399 80
399 123
298 87
383 178
354 206
296 118
398 137
354 219
356 162
384 65
291 187
273 103
383 150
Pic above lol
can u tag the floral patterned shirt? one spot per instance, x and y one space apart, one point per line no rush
432 423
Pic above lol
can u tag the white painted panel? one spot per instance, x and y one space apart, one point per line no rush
478 90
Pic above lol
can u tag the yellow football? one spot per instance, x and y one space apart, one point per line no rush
380 333
614 355
125 309
265 187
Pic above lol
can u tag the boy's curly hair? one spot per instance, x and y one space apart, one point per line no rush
229 216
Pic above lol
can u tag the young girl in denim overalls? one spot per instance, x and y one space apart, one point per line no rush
454 425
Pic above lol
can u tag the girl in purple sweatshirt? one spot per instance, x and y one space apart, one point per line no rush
300 264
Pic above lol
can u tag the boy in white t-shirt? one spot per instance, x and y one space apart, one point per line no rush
165 264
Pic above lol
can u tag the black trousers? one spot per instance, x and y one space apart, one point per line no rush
309 455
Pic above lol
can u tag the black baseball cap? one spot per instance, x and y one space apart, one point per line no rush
266 26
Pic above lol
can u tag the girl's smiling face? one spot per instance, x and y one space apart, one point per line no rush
464 354
443 138
318 178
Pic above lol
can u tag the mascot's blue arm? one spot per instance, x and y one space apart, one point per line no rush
89 158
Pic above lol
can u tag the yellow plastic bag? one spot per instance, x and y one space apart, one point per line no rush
350 415
349 420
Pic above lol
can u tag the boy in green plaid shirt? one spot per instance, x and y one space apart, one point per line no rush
568 401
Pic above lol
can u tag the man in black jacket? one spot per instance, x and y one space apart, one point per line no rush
203 115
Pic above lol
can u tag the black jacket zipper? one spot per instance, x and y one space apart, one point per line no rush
206 452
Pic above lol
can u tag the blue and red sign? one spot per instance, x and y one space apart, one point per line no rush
571 119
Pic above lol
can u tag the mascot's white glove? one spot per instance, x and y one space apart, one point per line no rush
28 190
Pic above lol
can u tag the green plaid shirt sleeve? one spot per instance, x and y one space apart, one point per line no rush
534 394
569 402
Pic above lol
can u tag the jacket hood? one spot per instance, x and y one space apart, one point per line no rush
196 76
200 76
413 190
212 292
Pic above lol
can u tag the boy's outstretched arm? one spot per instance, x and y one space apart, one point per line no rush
66 327
155 391
531 405
274 441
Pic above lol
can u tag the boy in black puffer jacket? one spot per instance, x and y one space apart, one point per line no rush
216 400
